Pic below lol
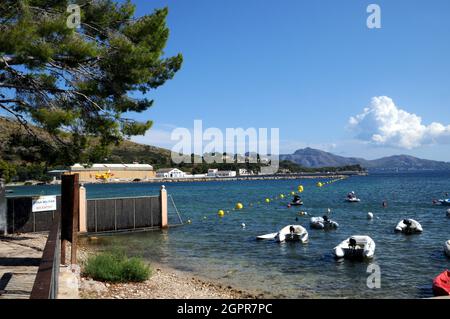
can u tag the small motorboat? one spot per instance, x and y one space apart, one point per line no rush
357 246
445 202
351 198
447 248
267 236
292 233
441 284
323 223
300 203
296 201
288 233
409 226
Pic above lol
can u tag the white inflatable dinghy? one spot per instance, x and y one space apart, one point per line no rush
447 248
353 200
357 246
292 233
409 226
323 223
267 236
288 233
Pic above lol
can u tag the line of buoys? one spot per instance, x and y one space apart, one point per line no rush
321 184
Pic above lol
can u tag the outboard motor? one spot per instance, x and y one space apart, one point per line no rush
352 246
292 231
408 228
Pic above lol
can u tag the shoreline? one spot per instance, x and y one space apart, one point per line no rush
165 282
214 179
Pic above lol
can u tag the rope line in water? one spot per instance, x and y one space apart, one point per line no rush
300 189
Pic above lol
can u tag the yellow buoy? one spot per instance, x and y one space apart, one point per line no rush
292 193
239 206
319 184
282 196
221 213
300 189
267 200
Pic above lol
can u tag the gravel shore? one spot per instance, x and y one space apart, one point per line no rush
164 283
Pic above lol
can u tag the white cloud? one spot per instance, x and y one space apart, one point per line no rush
383 123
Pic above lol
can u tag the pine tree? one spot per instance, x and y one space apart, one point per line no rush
76 76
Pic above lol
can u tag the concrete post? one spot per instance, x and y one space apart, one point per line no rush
83 210
163 197
3 226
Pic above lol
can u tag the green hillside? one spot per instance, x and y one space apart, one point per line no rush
18 162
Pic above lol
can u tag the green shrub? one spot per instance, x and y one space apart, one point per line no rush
116 267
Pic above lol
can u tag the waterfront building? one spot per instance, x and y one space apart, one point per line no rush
170 173
113 172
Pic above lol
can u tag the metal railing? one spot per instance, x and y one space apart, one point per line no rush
46 282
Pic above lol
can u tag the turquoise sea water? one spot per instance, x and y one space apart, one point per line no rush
220 249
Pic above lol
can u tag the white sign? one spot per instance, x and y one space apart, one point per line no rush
43 203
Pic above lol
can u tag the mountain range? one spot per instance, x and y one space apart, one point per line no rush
128 152
309 157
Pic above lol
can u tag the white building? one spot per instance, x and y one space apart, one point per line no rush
170 173
245 172
226 173
212 172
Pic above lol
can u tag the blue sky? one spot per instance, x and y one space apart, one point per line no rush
306 67
310 68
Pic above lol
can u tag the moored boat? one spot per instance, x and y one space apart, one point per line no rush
358 246
296 201
288 233
447 248
445 202
323 223
351 198
409 226
267 236
293 233
441 284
